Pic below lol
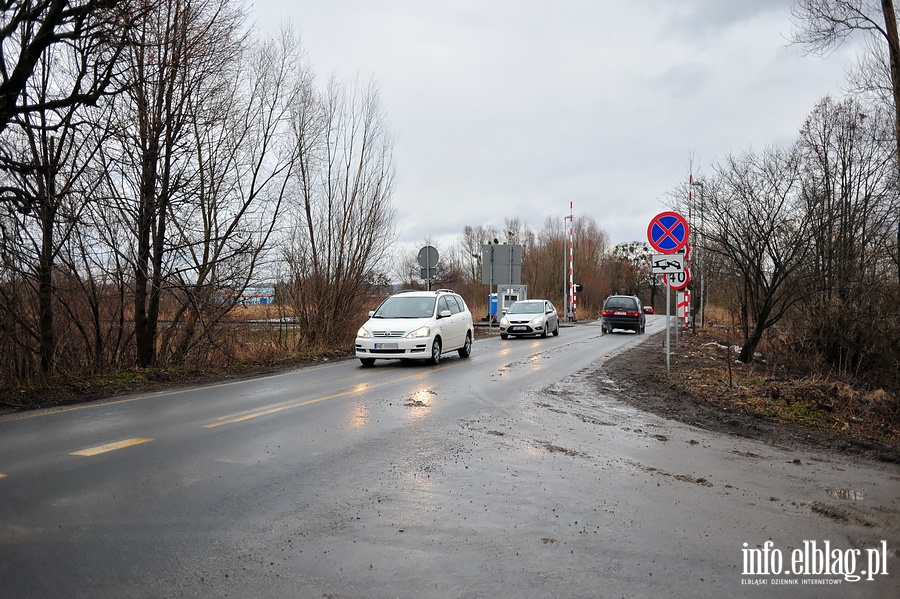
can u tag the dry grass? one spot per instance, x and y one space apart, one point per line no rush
783 393
238 350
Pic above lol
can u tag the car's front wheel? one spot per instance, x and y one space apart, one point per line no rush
556 330
435 351
367 361
466 350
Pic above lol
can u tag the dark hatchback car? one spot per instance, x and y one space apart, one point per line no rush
622 312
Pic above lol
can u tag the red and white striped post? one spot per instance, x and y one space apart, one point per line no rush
572 292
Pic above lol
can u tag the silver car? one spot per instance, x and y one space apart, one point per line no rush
529 317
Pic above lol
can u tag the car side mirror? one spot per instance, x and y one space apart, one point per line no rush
371 313
445 314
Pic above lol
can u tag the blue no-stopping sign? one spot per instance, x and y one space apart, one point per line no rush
668 232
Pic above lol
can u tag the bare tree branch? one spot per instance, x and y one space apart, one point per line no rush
29 28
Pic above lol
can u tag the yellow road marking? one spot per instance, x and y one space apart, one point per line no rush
2 475
232 419
92 451
242 416
192 388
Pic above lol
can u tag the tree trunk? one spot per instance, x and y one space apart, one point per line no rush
47 183
45 286
144 329
751 342
890 26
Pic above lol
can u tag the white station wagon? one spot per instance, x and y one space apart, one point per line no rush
416 325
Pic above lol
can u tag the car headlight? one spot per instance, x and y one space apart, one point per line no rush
504 320
538 320
362 333
419 333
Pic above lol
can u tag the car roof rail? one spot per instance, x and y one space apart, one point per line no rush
444 291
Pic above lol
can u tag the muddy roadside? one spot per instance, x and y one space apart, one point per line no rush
639 377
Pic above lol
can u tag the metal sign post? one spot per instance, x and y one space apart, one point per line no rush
668 332
668 233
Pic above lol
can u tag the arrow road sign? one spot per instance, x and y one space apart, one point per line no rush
667 263
668 232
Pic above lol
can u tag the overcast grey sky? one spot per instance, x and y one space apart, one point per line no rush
514 108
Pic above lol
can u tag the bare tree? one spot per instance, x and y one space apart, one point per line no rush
44 153
852 209
94 299
244 163
545 259
343 219
470 245
546 266
515 230
755 222
591 251
176 53
28 28
631 268
821 25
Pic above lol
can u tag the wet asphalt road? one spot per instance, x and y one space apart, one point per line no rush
504 475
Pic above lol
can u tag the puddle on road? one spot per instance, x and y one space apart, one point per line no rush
420 399
846 494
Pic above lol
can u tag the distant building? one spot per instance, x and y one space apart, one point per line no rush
257 295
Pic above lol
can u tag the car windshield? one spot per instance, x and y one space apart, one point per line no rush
526 308
621 303
405 307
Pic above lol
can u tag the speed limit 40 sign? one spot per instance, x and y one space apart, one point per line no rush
678 280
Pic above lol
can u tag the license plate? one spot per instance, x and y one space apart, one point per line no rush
619 313
517 328
385 346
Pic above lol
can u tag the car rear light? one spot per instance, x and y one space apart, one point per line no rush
613 312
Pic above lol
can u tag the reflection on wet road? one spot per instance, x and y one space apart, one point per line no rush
512 473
